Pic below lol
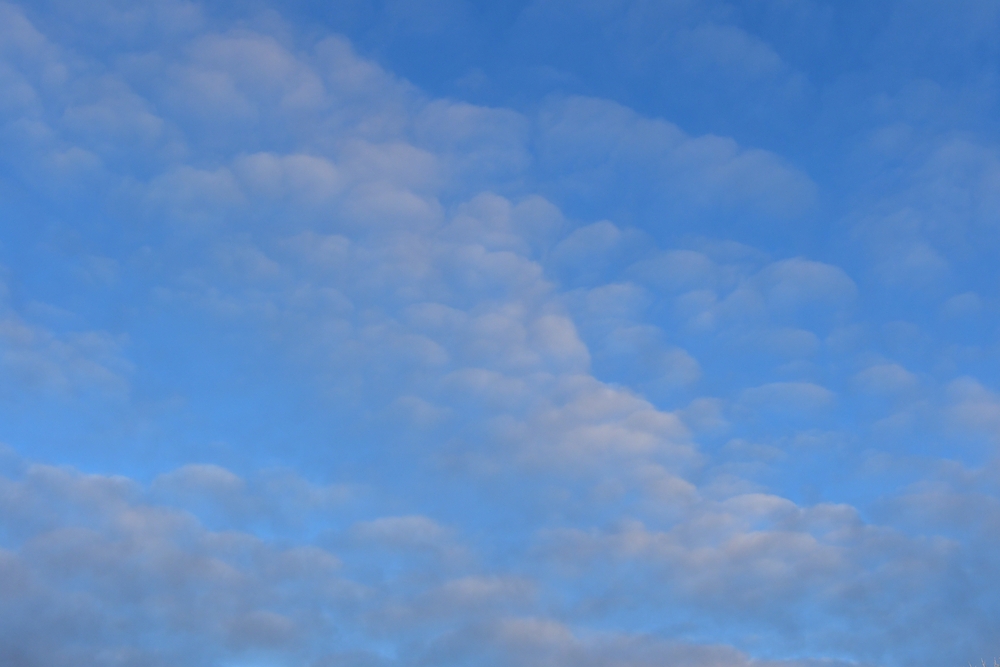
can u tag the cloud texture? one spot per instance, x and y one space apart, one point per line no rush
309 358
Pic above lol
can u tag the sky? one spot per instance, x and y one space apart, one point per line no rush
536 333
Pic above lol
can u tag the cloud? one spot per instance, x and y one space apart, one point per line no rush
589 253
538 641
598 422
403 531
755 556
275 500
931 226
525 227
643 158
99 565
974 408
886 379
680 270
115 578
638 354
729 47
787 397
479 142
962 305
36 360
793 283
110 578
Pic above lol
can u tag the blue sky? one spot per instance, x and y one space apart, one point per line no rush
610 333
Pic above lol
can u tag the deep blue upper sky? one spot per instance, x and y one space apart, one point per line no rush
604 333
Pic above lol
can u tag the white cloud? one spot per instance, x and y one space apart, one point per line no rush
591 144
304 179
678 270
974 408
534 641
914 263
194 197
588 252
279 500
730 47
489 144
787 398
640 352
403 532
499 224
580 423
105 572
962 305
794 283
75 363
886 378
785 342
933 219
230 77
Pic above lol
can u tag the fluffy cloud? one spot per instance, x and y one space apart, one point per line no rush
114 578
109 577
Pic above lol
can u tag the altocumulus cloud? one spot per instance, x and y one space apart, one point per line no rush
307 363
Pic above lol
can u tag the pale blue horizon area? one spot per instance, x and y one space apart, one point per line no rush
600 334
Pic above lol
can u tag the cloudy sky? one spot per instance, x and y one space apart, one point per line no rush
542 333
